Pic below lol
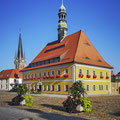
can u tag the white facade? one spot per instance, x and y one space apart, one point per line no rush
8 84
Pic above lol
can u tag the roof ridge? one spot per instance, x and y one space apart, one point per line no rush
77 45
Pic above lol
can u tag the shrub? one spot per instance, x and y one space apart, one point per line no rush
22 89
77 90
87 106
28 100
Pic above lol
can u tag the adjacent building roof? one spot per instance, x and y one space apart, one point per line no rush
11 73
74 48
118 74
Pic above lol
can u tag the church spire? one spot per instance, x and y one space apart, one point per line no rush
20 58
20 51
62 23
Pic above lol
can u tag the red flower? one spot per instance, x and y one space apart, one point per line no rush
28 78
58 76
44 77
35 78
81 75
107 77
52 76
39 77
31 78
88 76
101 77
24 78
94 76
66 75
47 76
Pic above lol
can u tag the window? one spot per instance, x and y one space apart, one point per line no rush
44 73
35 87
66 88
31 87
15 80
57 59
55 48
87 72
66 71
6 86
101 74
94 88
28 75
35 75
48 87
100 87
25 76
106 87
87 87
106 73
48 73
52 73
39 74
58 88
52 87
47 61
44 87
58 72
51 60
31 75
42 62
80 71
94 73
6 81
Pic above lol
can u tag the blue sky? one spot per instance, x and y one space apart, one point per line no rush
38 20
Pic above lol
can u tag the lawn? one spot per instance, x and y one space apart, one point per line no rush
104 107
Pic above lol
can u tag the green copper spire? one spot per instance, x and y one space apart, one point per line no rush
62 8
62 23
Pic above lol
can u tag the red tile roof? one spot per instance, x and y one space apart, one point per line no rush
11 73
78 48
118 74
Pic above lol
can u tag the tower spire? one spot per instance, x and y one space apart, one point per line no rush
20 58
62 23
20 51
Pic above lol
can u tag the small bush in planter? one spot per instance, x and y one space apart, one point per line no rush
21 91
28 100
77 102
87 106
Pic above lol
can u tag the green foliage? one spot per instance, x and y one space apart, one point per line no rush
77 90
22 89
28 100
86 104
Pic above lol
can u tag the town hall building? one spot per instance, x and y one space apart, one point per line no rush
69 59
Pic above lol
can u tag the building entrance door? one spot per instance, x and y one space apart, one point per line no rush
40 88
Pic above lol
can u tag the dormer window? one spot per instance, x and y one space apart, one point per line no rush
86 58
99 60
87 44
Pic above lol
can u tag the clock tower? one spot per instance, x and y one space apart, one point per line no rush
62 23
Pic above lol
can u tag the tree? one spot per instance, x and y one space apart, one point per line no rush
22 89
77 90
